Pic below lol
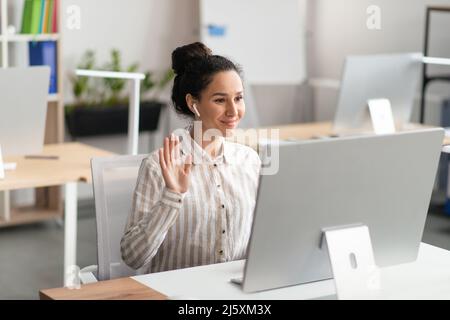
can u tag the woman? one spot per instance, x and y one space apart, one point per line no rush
194 199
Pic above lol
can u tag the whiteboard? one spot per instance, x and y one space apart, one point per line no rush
265 37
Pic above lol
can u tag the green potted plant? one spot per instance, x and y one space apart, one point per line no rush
101 105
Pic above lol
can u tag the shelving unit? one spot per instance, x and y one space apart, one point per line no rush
426 79
48 199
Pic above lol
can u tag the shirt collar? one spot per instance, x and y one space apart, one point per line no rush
199 155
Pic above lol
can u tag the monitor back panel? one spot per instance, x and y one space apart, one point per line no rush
384 182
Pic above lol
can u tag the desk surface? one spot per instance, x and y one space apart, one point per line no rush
118 289
427 278
73 164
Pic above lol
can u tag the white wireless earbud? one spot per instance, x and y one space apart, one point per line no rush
195 110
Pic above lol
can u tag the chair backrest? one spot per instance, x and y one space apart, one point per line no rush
114 180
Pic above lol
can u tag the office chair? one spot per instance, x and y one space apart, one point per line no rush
114 180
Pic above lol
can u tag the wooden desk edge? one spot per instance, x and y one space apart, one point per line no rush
116 289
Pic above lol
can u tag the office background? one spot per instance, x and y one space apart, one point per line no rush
147 31
162 25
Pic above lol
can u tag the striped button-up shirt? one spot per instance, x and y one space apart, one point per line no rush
210 223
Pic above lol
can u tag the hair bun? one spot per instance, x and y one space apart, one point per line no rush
182 56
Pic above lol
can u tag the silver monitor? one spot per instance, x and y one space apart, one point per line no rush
23 109
384 182
390 76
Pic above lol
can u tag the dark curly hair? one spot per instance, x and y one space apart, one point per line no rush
194 66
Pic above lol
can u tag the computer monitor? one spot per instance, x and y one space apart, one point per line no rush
383 182
389 76
23 109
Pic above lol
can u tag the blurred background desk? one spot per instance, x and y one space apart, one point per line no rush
321 129
70 166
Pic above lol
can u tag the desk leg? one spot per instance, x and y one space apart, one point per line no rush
5 206
70 231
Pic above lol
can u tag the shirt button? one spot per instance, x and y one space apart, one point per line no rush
218 186
221 252
179 200
215 164
223 231
223 206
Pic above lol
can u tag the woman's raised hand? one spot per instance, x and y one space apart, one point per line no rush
175 171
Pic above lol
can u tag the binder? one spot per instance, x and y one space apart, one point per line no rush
41 16
45 17
50 16
35 16
55 16
26 16
45 53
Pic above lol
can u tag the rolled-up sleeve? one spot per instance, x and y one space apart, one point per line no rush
154 210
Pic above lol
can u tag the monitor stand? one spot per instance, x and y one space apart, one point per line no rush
352 262
381 116
4 166
5 209
355 273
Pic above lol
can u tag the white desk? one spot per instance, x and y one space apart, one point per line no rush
427 278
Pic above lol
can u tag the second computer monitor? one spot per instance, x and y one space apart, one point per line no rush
23 109
389 76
